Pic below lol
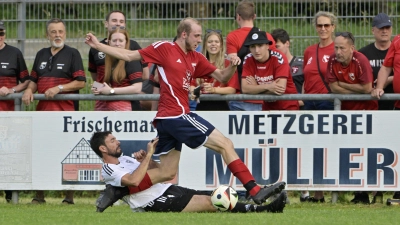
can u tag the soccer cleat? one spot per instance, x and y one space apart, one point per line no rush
304 199
267 191
314 200
110 196
278 204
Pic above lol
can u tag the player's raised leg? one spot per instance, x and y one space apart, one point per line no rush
223 145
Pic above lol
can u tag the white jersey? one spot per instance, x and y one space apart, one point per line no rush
112 174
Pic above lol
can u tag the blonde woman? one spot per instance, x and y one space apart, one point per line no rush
120 77
213 49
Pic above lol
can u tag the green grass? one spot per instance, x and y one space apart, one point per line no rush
83 212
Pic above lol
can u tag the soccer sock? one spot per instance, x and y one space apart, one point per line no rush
144 184
241 171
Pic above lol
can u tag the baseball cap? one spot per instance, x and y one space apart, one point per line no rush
258 37
2 27
381 20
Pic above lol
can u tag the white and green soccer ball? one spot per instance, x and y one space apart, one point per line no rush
224 198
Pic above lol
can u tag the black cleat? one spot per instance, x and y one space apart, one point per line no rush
110 196
278 204
360 197
267 191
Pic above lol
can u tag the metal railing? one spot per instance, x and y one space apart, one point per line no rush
337 98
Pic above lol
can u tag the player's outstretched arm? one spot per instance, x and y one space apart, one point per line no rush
119 53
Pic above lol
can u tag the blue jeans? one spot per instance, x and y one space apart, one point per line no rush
244 106
318 105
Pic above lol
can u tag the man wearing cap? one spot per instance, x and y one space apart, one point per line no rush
245 15
349 72
14 75
267 71
376 52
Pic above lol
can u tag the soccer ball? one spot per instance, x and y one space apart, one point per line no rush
224 198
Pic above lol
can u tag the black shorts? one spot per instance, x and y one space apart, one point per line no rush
174 199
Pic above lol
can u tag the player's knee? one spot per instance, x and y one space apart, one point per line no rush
225 145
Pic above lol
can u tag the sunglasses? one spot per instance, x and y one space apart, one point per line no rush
346 35
211 30
120 27
327 25
50 62
2 33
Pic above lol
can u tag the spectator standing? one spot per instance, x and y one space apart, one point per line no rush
14 75
56 70
179 63
282 43
376 52
267 71
213 49
120 77
349 72
114 19
244 16
314 67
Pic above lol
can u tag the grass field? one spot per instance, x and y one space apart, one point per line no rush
83 212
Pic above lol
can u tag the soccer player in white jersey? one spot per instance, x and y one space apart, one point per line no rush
179 63
160 197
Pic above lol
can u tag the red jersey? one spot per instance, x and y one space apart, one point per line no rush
176 69
358 71
392 59
235 40
275 67
313 83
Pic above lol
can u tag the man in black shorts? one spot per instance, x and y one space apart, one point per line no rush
123 171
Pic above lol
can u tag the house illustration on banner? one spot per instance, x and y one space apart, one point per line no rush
82 166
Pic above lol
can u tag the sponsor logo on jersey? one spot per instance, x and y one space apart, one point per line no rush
42 65
352 77
325 59
178 61
295 69
101 55
261 67
266 79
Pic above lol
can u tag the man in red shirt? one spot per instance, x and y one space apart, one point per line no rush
245 16
177 64
267 71
349 72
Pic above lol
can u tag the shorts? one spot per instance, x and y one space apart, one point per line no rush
189 129
174 199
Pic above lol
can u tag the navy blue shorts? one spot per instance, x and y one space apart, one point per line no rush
189 129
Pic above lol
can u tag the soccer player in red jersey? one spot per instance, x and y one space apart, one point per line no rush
349 72
267 71
177 64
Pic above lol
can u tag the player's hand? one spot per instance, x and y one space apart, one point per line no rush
377 93
91 40
27 98
51 92
140 155
277 88
208 88
151 146
235 60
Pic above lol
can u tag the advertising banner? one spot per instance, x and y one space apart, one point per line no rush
310 150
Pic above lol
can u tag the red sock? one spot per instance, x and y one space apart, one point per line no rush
144 184
241 171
